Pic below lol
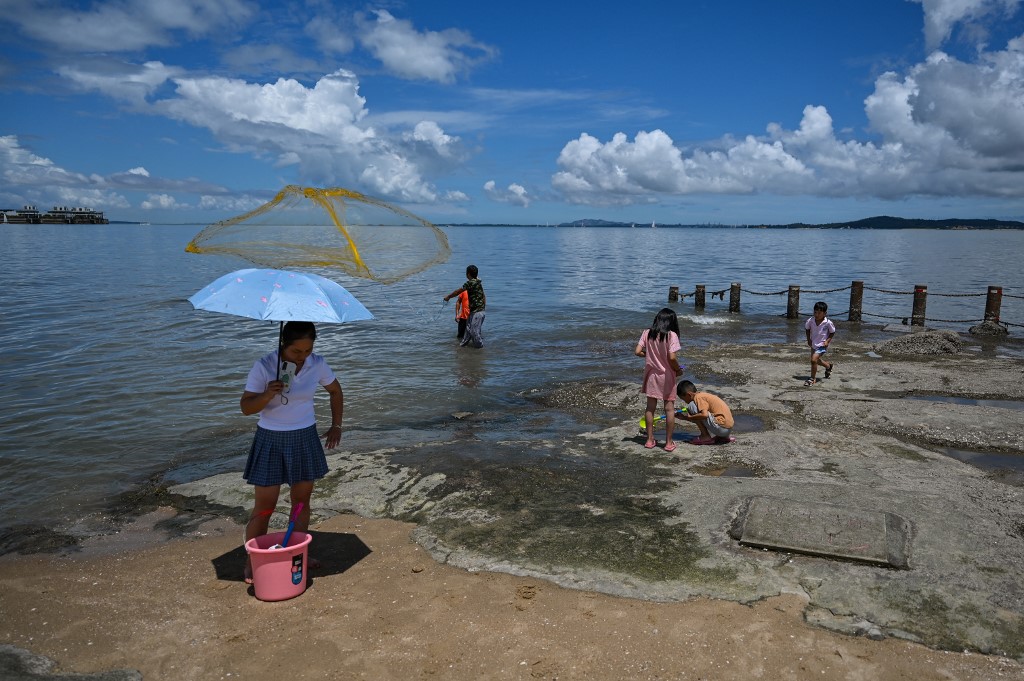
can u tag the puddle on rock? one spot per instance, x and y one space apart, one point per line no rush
1001 404
747 423
1005 468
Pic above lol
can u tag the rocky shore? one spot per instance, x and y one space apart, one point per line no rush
599 514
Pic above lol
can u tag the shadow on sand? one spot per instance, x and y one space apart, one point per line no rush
336 551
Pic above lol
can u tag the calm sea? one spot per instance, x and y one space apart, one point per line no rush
112 378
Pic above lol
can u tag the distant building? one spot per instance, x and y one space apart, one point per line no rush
59 215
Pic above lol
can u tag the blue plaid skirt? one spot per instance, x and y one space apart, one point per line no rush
280 457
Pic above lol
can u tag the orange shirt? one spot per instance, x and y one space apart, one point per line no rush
714 405
462 306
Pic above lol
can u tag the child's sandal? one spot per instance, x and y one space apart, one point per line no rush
810 381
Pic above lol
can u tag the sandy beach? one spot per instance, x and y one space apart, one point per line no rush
442 598
397 614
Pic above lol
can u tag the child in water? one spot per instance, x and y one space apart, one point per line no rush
658 346
461 314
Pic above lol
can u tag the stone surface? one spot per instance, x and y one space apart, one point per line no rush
824 530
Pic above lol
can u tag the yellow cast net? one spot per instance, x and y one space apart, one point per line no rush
311 227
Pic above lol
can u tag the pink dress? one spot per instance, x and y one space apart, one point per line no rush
659 378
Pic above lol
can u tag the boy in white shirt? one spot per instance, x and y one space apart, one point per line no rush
820 331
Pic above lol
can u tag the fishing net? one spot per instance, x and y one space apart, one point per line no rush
333 228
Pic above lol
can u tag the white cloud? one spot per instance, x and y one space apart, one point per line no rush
161 201
515 194
88 198
35 179
319 129
947 128
233 204
455 196
19 166
941 16
329 36
32 179
127 82
332 107
123 25
427 55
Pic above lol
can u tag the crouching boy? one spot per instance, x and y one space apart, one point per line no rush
709 412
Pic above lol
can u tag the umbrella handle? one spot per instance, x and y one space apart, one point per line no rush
280 350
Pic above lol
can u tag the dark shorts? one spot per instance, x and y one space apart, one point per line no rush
279 457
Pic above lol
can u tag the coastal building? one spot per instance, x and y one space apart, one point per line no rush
59 215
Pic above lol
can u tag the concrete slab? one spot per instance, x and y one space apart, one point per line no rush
821 529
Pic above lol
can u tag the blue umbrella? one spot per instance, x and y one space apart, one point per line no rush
280 296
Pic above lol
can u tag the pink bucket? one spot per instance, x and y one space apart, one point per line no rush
279 574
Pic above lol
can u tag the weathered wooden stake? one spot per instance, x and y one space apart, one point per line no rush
698 297
793 304
673 294
920 300
993 302
856 301
734 297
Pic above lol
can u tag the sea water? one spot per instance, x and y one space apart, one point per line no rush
112 379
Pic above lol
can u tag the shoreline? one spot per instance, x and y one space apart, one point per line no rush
854 439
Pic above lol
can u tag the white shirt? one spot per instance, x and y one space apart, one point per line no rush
298 413
819 332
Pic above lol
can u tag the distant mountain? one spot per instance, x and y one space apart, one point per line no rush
879 222
887 222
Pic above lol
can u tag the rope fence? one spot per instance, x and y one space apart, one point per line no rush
993 302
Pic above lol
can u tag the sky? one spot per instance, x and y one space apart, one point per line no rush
695 112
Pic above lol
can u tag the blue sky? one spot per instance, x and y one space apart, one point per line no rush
719 111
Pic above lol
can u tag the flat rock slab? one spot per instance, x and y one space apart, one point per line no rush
828 530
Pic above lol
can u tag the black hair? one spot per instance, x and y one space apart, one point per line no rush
664 322
472 271
821 305
685 387
294 331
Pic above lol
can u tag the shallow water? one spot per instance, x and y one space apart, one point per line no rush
952 399
113 378
1006 468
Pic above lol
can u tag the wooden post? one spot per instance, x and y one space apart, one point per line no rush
698 297
734 297
856 301
793 304
673 294
920 300
993 302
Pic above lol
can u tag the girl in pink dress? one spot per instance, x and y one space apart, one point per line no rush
658 346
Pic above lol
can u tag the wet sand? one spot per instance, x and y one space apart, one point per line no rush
445 598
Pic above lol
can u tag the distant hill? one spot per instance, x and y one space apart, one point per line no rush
879 222
887 222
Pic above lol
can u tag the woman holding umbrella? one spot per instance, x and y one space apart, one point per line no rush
286 448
